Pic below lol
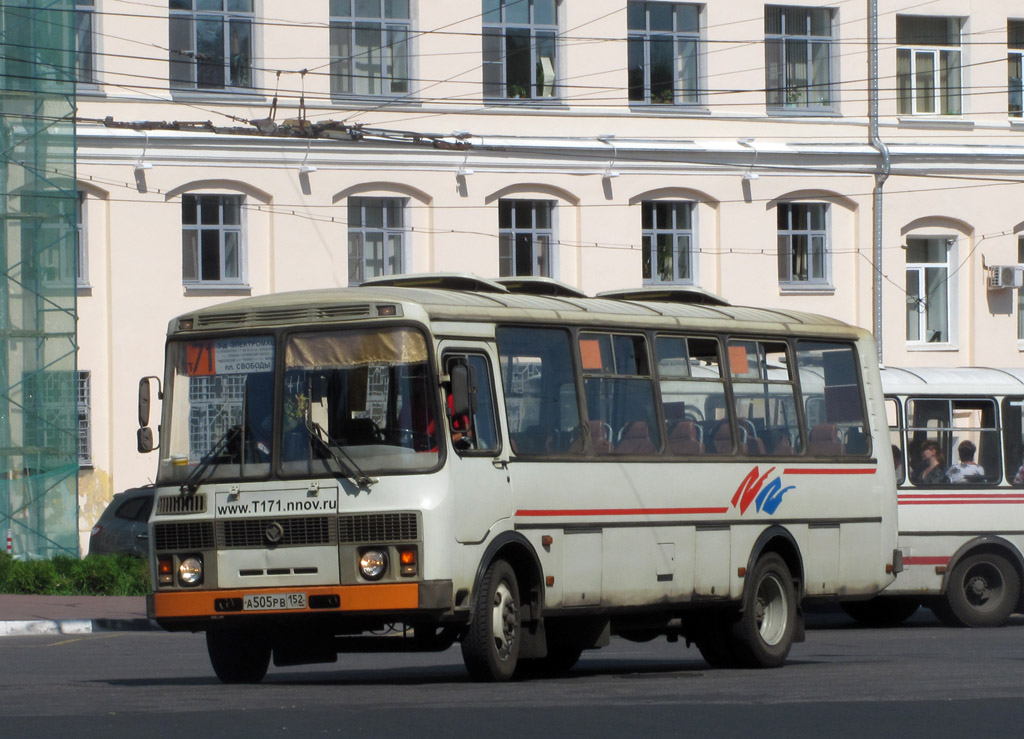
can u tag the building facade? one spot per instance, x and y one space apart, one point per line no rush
240 147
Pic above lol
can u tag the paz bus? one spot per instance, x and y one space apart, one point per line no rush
513 466
961 527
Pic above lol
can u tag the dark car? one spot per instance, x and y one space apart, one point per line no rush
122 529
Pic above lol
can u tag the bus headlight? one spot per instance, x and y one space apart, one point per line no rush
373 564
190 570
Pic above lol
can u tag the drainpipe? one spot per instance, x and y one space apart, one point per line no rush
880 177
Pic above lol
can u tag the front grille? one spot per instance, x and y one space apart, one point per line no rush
378 527
173 505
251 532
181 536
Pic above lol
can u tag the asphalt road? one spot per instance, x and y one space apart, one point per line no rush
918 680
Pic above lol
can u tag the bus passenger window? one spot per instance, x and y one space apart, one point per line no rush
764 397
895 422
693 396
966 434
620 393
1013 440
540 391
833 401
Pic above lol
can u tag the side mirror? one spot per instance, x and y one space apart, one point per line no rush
145 440
145 434
144 401
463 390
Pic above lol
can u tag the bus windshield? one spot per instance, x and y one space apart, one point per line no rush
351 403
366 393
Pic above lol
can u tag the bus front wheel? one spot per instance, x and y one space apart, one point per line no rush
983 590
238 656
490 647
764 632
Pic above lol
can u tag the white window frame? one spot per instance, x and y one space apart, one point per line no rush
912 55
392 237
543 263
686 46
84 401
81 241
682 238
811 236
782 92
497 26
1020 296
223 230
390 60
1015 67
918 272
55 239
85 42
183 15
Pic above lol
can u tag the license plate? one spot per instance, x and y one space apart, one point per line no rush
273 601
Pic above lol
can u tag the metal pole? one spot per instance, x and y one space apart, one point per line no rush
880 177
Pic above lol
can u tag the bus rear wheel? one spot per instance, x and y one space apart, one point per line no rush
983 590
490 647
238 656
763 635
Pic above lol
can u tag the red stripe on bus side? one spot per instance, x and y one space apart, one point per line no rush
828 471
926 560
625 512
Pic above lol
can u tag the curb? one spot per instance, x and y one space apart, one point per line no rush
75 626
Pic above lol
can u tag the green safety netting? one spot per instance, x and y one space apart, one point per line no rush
39 387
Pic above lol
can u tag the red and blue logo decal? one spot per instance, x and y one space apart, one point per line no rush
766 498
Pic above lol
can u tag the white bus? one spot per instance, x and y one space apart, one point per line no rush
514 466
958 439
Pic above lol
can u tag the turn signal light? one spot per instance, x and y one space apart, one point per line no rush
165 571
407 559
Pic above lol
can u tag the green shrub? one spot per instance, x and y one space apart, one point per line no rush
113 574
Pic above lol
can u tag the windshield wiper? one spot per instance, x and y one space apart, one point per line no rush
345 462
225 441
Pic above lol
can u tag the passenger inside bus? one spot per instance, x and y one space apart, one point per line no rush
932 470
966 470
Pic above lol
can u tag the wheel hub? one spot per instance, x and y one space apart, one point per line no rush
504 620
770 611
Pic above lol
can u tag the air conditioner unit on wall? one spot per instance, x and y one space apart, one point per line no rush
1005 277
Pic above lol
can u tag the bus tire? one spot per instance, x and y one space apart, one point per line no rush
490 647
763 635
983 590
238 656
881 611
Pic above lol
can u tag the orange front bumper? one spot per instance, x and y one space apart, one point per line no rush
370 598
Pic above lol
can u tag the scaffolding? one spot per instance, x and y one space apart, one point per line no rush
39 387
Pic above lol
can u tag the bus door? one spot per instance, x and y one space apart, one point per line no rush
478 465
